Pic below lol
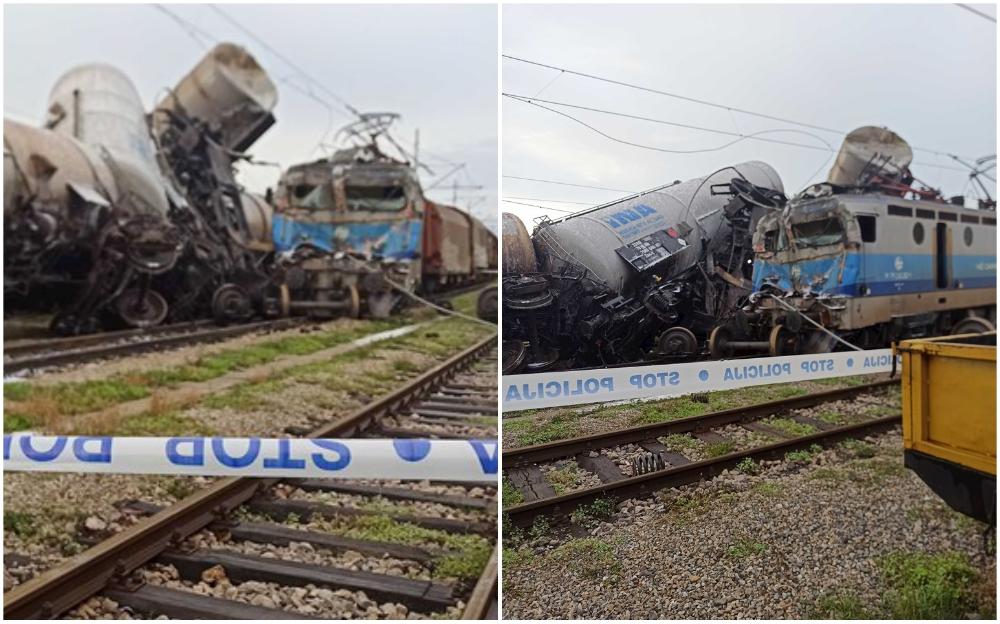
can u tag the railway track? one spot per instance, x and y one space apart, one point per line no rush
193 559
638 461
33 354
28 354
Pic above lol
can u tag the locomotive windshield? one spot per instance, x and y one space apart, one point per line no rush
818 233
312 196
375 198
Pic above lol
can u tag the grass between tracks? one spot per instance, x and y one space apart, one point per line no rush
29 404
37 406
549 425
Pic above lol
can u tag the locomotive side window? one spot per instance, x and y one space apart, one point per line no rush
918 233
818 233
376 198
967 236
867 225
774 240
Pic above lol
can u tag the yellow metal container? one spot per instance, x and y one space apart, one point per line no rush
950 418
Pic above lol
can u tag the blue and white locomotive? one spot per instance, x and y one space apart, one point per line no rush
868 257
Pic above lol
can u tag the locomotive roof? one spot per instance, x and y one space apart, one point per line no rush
857 201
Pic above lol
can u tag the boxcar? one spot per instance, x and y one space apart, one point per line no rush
448 246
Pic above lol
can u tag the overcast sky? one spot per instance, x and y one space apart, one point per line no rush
927 72
436 65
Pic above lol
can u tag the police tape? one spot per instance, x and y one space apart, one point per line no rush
406 459
539 390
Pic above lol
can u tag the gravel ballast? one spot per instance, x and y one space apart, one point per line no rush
766 545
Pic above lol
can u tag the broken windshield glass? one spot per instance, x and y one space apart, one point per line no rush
818 233
375 198
313 197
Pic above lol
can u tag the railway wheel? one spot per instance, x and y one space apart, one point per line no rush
355 310
515 352
141 307
677 341
486 305
783 341
972 325
230 303
718 343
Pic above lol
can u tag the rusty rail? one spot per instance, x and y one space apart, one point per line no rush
114 344
57 590
566 448
675 476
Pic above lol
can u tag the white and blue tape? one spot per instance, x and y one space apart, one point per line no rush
408 459
540 390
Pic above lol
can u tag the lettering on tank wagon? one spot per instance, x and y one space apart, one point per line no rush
645 381
331 455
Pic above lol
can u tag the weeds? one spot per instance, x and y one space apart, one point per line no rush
743 548
840 606
747 466
594 512
589 557
928 587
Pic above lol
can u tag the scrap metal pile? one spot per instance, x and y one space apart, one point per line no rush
114 217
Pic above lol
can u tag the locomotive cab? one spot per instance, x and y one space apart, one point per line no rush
346 230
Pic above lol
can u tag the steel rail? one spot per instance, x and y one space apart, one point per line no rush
483 601
107 347
538 453
59 589
644 485
32 345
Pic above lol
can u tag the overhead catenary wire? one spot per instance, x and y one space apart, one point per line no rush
507 201
600 188
740 137
249 33
977 12
556 201
194 31
694 100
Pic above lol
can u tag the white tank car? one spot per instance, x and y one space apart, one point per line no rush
638 279
591 240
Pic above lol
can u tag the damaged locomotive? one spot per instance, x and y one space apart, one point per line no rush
864 259
354 233
643 278
116 218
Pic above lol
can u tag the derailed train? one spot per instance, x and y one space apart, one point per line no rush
109 213
117 218
865 259
644 277
355 231
726 266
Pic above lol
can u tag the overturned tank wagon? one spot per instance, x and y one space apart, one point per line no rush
86 225
642 278
115 218
354 232
866 258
